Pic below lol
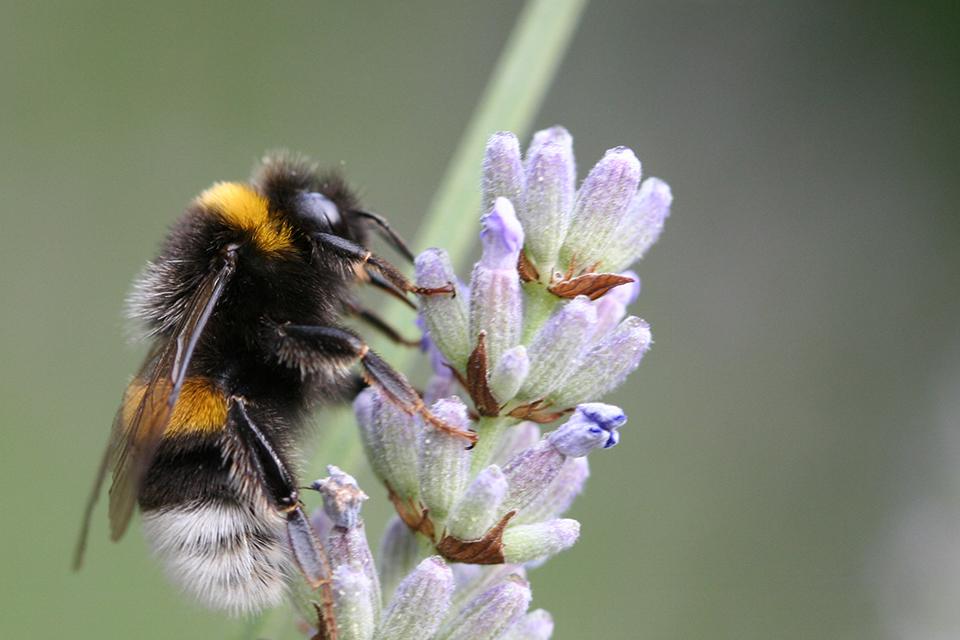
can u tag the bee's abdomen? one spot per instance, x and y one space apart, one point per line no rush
226 555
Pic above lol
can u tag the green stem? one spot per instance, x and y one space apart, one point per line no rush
489 432
516 89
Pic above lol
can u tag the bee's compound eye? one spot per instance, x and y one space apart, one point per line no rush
320 209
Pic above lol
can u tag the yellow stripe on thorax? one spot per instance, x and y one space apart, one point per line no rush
241 206
201 407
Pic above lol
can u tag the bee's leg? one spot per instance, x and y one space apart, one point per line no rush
334 345
308 554
356 309
373 277
387 233
360 255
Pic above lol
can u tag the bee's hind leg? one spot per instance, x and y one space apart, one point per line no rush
281 488
312 347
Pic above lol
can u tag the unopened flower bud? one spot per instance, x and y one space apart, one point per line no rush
502 170
536 625
514 440
559 495
474 579
556 347
445 315
479 507
530 542
444 460
548 204
613 305
641 227
420 604
352 603
509 374
607 364
601 205
496 301
398 555
491 613
389 437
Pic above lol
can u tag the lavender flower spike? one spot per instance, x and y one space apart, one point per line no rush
556 347
444 460
445 315
496 301
531 542
548 199
491 613
607 364
420 604
642 225
502 170
601 205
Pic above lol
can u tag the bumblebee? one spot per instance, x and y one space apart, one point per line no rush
244 309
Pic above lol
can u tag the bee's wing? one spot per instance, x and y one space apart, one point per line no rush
147 405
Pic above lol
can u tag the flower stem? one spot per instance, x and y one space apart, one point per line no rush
489 431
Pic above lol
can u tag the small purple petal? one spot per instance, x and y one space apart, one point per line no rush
592 425
501 236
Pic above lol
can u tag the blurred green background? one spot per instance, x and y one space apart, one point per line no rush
804 298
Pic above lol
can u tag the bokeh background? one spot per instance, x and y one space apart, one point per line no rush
789 467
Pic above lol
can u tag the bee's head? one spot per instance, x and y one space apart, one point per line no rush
310 201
